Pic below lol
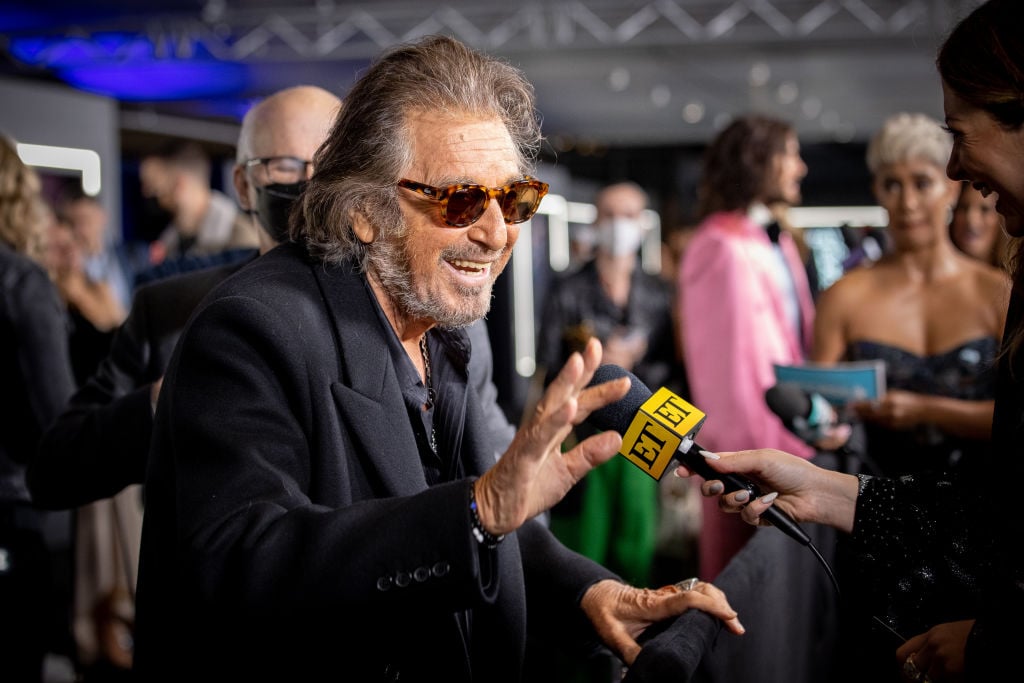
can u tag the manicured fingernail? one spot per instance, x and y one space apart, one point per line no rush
710 456
770 497
716 488
742 496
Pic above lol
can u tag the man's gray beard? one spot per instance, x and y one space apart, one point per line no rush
389 261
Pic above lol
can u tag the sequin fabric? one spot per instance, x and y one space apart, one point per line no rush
936 546
918 554
966 372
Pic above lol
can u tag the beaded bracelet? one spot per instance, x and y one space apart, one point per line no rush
482 535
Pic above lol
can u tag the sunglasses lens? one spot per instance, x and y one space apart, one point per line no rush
465 206
520 202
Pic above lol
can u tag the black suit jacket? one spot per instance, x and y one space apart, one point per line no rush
289 531
35 369
99 443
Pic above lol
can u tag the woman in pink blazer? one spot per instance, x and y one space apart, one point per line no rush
745 304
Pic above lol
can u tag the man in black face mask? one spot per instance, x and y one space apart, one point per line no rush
99 445
93 457
275 156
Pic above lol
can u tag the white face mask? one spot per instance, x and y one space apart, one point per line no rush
619 236
583 235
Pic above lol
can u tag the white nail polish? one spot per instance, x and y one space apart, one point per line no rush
769 497
709 455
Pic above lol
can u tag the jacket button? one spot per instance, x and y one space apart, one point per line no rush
421 574
402 579
441 569
384 583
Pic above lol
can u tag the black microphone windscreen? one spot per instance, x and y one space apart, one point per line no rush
618 415
788 401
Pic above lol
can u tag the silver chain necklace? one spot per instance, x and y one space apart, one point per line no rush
431 396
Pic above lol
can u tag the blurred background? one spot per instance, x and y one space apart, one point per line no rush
627 88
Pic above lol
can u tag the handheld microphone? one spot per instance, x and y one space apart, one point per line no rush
808 415
659 428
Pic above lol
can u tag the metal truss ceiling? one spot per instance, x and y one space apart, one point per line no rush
274 31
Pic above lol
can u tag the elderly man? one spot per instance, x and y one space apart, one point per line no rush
323 500
95 452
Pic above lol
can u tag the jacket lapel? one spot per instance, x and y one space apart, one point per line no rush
366 392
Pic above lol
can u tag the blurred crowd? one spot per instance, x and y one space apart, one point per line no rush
91 319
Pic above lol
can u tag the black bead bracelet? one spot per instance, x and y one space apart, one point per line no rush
482 535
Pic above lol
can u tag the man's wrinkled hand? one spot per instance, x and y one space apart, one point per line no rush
621 613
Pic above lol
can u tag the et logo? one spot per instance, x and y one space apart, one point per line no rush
654 436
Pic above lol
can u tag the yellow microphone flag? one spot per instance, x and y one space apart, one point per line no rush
657 431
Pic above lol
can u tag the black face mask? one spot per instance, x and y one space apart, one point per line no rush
274 204
153 218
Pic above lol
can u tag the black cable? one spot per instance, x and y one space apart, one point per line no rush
835 584
828 568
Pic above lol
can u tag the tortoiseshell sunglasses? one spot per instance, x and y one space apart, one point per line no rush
463 204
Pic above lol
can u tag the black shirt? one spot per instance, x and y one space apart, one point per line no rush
441 423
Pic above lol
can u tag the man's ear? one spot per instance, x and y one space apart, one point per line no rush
362 228
241 181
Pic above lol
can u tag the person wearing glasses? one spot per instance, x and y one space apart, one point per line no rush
93 456
322 496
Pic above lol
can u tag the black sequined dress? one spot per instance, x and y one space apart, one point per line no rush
966 372
941 546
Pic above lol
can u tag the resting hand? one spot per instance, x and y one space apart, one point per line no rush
938 653
897 409
620 613
804 491
534 474
833 437
625 350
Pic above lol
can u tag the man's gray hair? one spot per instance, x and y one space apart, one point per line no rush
369 146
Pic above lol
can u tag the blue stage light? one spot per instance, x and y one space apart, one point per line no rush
159 80
125 66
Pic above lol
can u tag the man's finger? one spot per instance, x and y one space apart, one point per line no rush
591 452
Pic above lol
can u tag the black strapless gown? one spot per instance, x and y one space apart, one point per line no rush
966 372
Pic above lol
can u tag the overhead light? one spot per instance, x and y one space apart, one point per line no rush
787 92
693 112
133 68
760 74
85 161
213 10
660 96
618 79
811 107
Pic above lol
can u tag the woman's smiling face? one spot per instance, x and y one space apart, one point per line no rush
988 155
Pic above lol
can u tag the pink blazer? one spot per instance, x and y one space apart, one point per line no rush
733 328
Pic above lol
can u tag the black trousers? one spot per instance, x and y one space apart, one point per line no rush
27 599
